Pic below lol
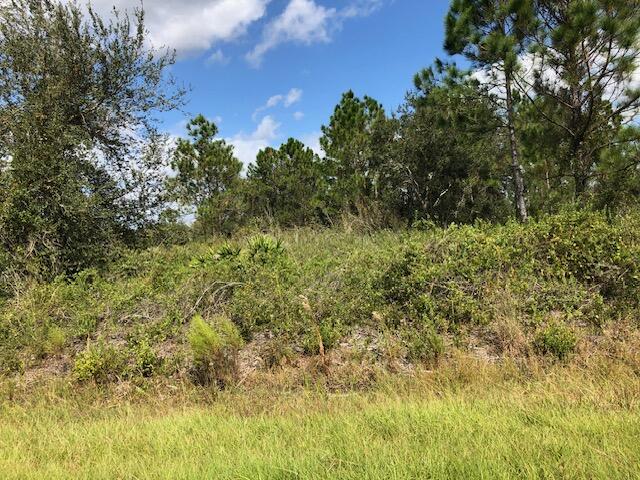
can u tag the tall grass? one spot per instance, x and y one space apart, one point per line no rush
466 420
357 436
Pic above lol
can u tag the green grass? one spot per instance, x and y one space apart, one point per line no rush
522 342
562 428
446 438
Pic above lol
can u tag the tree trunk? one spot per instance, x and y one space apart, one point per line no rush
518 178
581 165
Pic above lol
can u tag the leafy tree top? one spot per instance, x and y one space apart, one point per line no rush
205 166
489 32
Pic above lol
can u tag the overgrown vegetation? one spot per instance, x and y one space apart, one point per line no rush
215 350
471 261
466 420
388 300
83 170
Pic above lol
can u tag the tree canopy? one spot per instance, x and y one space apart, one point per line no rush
78 95
545 117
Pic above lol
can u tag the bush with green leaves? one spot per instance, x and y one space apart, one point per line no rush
214 346
145 359
420 288
423 344
556 339
227 251
99 362
575 263
55 340
264 249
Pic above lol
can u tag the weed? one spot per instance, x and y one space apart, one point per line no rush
99 362
145 358
227 251
215 349
264 249
424 345
55 341
556 339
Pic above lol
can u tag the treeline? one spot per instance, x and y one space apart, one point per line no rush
546 116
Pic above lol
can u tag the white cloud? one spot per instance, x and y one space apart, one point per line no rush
292 97
268 129
217 57
306 22
312 140
361 8
195 25
298 116
273 101
247 146
302 21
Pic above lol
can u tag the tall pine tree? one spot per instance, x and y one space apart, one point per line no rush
584 85
348 142
207 171
492 34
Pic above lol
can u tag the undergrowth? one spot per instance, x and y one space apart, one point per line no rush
395 298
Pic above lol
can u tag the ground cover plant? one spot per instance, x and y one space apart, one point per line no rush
447 290
262 301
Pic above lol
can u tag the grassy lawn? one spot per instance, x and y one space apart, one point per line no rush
505 433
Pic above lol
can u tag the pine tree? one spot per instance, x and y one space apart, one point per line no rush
348 142
447 151
492 34
587 53
288 184
207 171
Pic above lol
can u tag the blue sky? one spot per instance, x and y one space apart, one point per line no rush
236 55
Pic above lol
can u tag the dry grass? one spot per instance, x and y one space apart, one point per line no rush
468 419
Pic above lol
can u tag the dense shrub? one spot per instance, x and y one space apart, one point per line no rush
572 263
556 339
215 348
55 341
264 249
100 363
421 289
145 358
423 344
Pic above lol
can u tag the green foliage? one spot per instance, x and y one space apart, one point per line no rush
145 359
214 348
228 251
349 140
77 96
288 185
599 96
263 249
574 263
99 362
494 35
420 288
444 164
618 173
489 32
556 339
207 174
55 340
423 344
83 170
